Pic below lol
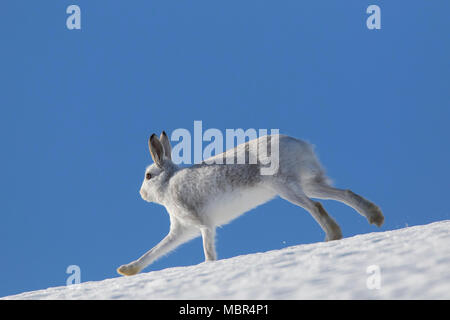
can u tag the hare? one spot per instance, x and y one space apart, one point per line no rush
207 195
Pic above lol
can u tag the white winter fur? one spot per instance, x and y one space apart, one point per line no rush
202 197
227 207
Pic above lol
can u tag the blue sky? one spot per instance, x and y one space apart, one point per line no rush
78 106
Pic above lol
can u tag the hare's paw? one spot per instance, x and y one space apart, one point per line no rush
334 234
128 269
376 216
333 231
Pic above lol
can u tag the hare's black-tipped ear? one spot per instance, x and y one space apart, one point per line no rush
156 150
166 145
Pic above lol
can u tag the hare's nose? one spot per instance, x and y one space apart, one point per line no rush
143 193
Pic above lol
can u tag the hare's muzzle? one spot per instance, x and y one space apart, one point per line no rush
143 194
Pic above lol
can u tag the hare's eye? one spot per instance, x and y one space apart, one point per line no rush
148 176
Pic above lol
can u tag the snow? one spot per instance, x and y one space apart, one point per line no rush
409 263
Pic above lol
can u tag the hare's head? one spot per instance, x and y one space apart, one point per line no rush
157 174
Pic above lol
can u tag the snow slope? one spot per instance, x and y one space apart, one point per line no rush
410 263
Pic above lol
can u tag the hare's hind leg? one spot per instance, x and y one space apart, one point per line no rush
295 195
363 206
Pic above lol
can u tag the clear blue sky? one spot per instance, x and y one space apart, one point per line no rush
77 107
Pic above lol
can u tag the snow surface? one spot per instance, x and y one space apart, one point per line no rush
413 263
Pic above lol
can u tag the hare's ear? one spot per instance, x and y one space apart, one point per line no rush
156 150
166 144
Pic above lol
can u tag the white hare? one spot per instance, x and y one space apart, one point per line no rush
201 197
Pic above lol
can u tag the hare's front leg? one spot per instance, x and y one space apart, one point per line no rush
178 235
209 247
